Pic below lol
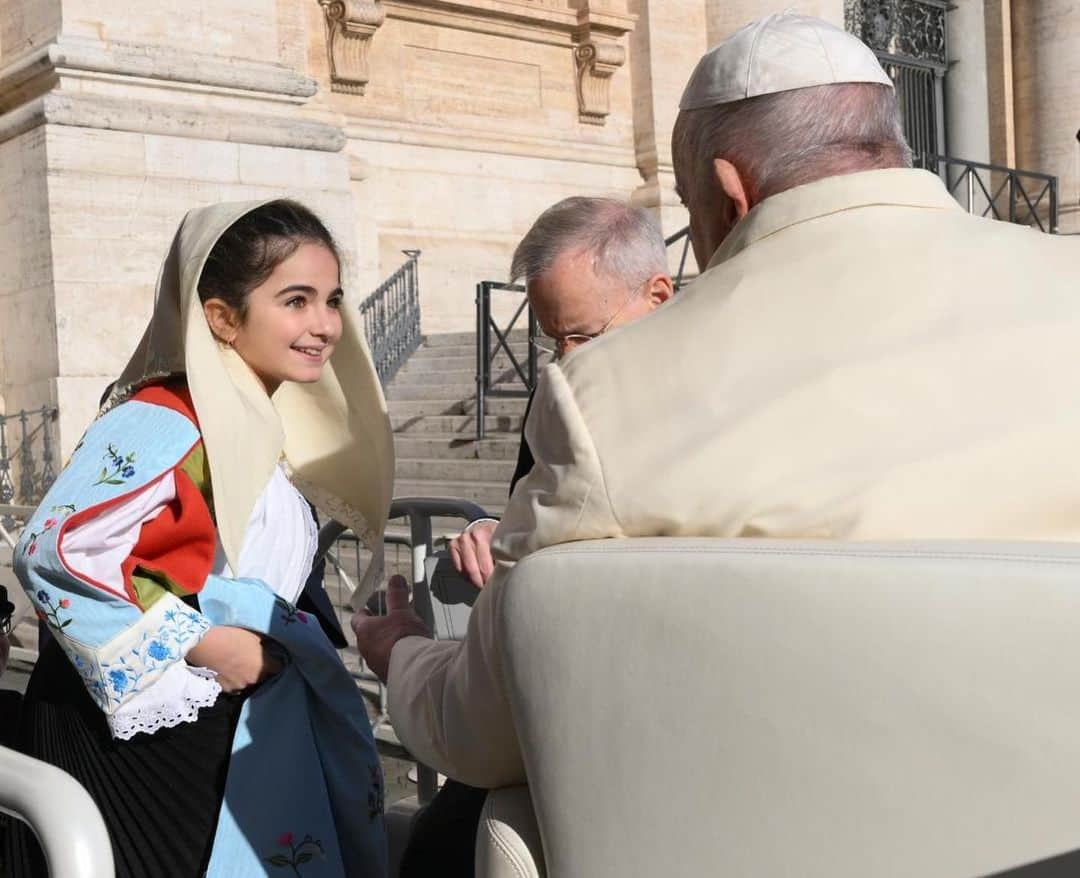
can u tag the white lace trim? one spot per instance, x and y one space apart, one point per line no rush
175 698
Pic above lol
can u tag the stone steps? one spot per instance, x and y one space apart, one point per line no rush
464 378
432 404
495 406
464 447
453 424
453 469
468 339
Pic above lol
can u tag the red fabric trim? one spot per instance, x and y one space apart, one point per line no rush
174 395
183 485
180 542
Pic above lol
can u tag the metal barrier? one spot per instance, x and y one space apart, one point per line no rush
27 458
61 813
998 192
392 318
419 511
682 235
491 339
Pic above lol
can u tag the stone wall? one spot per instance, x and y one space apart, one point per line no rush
112 132
28 349
473 117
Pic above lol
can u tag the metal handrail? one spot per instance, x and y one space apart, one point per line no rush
1013 183
392 318
59 810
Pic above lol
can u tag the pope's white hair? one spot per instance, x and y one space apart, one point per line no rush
779 141
624 241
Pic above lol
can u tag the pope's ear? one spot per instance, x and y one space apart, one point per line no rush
222 319
659 288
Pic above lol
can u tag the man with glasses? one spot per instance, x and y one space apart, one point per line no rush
590 265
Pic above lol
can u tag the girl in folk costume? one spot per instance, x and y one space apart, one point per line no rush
208 715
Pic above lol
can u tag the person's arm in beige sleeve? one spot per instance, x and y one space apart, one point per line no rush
448 701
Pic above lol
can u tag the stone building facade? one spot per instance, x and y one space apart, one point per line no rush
439 125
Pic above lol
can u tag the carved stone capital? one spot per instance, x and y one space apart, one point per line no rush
350 25
596 63
598 53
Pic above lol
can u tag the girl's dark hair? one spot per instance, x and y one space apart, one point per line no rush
253 246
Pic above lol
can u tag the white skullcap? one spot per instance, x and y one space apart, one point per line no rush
779 53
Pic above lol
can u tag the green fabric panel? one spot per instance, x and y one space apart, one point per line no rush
197 468
147 591
156 584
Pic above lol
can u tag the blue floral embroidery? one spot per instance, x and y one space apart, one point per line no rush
119 681
146 661
122 467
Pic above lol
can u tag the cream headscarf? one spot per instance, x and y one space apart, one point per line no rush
335 433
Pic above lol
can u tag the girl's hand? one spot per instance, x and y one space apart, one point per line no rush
236 654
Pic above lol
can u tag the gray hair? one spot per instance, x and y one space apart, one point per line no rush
625 241
782 140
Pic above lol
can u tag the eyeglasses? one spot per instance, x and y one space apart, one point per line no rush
571 340
5 625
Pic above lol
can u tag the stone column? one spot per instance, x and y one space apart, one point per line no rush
1046 78
665 46
727 16
114 124
997 15
967 117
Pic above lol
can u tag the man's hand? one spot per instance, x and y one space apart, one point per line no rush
236 654
471 552
376 635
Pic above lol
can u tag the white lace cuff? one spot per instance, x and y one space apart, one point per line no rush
174 698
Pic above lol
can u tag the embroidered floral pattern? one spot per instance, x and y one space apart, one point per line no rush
299 853
49 523
376 797
51 612
290 613
147 660
118 469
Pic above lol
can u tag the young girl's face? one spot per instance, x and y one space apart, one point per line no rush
293 319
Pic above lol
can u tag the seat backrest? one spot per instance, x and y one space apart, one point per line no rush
760 707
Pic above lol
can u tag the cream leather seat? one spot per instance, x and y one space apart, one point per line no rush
744 707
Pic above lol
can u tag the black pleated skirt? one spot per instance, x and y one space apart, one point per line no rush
159 794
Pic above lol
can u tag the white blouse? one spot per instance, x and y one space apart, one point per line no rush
279 547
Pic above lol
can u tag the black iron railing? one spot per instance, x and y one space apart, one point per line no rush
1027 198
392 318
491 340
27 455
681 237
910 39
